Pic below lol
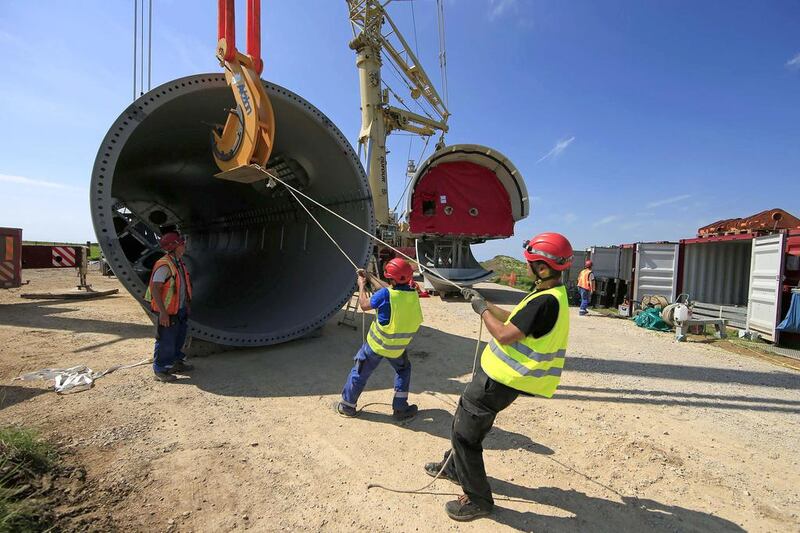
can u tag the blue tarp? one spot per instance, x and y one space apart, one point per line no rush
650 318
791 323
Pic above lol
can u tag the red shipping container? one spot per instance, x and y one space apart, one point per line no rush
10 257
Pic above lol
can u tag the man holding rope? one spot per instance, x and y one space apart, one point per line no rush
525 356
398 317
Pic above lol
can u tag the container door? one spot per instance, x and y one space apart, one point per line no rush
766 268
656 270
605 261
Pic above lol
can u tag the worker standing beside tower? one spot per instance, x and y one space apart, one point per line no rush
170 294
586 287
398 319
524 356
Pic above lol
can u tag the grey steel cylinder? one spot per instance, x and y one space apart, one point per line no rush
262 270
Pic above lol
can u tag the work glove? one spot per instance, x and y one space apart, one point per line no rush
479 304
469 294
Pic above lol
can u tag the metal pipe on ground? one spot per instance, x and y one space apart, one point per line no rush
263 272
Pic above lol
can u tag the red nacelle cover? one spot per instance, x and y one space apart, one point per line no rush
461 198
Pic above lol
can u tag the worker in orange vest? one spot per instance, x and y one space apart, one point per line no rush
170 294
586 287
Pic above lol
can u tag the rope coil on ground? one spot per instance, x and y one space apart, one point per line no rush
452 451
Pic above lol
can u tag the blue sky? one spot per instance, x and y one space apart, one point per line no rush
629 120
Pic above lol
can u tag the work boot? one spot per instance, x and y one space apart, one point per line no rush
166 377
180 366
345 410
463 510
405 414
432 469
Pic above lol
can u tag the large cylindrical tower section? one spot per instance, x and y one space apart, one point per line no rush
263 271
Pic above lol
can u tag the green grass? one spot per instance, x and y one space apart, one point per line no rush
503 265
23 457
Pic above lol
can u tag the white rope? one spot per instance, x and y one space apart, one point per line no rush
452 451
324 230
292 191
340 217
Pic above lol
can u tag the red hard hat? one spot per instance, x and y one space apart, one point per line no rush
588 263
398 270
170 240
552 248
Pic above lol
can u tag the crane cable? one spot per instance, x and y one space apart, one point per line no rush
442 52
293 190
139 46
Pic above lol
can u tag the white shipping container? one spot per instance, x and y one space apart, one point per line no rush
656 270
766 277
605 261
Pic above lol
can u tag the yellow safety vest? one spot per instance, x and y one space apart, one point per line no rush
583 279
531 365
392 339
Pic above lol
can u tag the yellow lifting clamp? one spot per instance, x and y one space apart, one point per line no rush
249 131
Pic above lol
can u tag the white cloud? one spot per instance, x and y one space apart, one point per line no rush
794 63
665 201
498 8
606 220
557 150
570 217
22 180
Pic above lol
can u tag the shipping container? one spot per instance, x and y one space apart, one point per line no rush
791 280
53 256
627 261
605 261
743 278
766 283
715 274
570 276
656 270
10 257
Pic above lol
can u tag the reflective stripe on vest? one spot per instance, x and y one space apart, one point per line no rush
392 339
531 365
583 279
171 288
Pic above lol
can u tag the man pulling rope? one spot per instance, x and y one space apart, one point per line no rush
524 356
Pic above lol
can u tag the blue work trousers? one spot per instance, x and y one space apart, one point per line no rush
169 342
366 363
586 297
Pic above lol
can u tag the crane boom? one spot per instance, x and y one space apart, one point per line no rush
378 118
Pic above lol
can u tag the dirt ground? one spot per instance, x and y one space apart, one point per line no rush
643 434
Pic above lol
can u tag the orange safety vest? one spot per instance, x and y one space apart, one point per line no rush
170 291
583 279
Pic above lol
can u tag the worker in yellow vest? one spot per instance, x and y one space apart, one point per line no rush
586 287
524 356
398 317
170 294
